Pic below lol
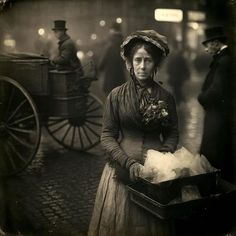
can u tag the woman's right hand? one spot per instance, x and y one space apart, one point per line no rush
135 171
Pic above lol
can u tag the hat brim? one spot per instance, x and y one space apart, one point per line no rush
213 38
130 39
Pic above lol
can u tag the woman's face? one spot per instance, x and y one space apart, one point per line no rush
143 64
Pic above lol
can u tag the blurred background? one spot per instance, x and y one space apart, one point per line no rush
25 26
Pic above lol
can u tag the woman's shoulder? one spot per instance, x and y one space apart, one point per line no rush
120 90
164 91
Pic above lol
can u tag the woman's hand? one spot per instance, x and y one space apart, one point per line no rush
164 149
135 171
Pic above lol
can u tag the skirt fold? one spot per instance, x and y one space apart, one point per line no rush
114 214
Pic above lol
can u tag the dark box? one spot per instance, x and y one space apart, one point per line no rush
217 196
68 107
66 84
166 191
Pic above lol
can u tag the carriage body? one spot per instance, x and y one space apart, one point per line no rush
32 96
31 71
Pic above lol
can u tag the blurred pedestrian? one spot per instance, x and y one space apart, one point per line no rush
67 57
178 72
215 99
110 65
132 124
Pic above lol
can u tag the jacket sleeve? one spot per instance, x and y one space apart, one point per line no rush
66 52
171 133
214 94
110 133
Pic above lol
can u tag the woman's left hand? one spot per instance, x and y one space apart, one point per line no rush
135 171
164 149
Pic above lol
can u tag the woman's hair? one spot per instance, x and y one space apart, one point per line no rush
156 53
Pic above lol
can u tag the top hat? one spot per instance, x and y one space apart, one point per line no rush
214 33
59 25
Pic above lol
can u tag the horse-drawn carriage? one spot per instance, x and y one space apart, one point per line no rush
32 96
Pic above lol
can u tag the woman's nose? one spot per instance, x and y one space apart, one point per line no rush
142 64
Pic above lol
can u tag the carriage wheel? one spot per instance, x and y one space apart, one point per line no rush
82 132
19 127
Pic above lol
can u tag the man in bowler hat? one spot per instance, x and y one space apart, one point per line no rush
215 99
67 57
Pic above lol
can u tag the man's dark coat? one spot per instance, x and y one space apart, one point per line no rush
215 99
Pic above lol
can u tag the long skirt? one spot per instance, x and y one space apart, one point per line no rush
115 215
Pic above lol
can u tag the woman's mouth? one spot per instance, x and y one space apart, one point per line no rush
142 74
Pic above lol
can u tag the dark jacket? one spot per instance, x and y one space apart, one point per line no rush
111 66
215 99
124 136
67 58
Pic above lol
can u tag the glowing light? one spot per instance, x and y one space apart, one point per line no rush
201 31
41 31
93 36
169 15
90 53
179 37
79 42
80 55
196 16
9 43
102 23
194 25
119 20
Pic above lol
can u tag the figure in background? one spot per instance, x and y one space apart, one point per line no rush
131 126
178 72
110 64
215 98
67 57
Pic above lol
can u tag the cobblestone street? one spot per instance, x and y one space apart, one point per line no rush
55 195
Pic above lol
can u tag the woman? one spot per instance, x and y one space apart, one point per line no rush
139 115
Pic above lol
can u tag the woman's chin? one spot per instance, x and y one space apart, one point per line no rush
143 78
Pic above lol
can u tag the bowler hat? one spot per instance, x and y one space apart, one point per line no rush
214 33
59 25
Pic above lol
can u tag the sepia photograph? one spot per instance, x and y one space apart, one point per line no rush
117 118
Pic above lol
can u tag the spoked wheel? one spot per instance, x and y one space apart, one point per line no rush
82 132
19 127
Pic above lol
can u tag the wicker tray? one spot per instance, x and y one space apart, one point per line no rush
221 198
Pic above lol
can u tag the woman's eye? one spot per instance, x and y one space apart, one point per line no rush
137 60
149 60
